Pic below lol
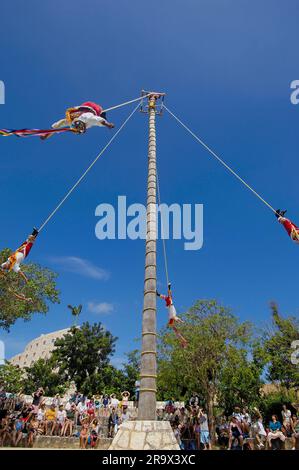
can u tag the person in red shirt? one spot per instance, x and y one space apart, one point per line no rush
291 228
14 261
172 315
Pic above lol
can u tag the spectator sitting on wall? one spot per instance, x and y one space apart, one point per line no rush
295 431
275 430
235 433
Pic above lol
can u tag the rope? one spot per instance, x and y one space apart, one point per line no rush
87 170
162 232
220 160
126 102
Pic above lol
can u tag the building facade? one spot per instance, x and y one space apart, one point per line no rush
38 348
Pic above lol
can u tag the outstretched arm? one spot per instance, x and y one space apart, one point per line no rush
160 295
108 124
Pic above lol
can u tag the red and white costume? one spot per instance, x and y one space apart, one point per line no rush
14 261
88 112
291 228
172 316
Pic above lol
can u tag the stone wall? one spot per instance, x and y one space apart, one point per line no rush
56 442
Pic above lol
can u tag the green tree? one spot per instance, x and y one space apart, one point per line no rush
239 380
43 373
83 354
11 378
276 350
213 333
131 371
41 288
114 380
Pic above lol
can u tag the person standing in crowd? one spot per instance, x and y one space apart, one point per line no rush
204 430
125 400
37 399
106 405
137 392
114 402
112 423
286 416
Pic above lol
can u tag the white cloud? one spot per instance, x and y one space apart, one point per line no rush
101 308
81 266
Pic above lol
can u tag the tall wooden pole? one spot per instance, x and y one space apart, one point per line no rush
148 371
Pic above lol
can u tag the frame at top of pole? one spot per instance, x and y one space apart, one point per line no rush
149 96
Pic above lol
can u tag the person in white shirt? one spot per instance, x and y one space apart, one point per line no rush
114 402
60 419
286 416
81 409
81 118
260 433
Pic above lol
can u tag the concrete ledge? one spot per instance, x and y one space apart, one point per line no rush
56 442
145 435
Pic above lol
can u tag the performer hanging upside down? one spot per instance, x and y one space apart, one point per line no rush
81 118
290 227
14 261
172 316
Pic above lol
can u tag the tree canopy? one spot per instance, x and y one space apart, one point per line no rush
41 288
276 350
11 378
83 355
217 354
43 373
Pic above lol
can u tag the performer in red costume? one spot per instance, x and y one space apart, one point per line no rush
81 118
14 261
172 316
290 227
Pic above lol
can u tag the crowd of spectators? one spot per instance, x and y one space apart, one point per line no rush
243 430
91 418
87 418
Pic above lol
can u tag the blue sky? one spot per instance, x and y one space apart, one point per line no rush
226 67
